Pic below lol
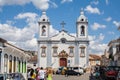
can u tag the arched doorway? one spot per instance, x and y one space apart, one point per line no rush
63 62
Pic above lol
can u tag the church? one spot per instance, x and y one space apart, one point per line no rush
63 49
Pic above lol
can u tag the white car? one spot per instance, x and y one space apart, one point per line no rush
81 70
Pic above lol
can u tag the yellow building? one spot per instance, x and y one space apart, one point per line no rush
94 60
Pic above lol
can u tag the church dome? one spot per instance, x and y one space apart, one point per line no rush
44 17
82 17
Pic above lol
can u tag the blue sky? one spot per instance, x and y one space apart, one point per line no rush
18 20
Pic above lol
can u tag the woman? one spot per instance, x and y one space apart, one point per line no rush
31 75
49 74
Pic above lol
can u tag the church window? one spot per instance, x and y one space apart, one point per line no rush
82 52
43 30
71 51
82 19
63 40
82 30
43 51
55 51
43 19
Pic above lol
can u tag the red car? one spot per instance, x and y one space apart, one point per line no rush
111 73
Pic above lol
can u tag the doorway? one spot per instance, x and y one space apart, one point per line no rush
63 62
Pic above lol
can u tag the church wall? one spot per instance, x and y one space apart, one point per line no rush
60 48
55 62
43 59
83 60
43 62
71 61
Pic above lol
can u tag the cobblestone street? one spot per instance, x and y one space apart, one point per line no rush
62 77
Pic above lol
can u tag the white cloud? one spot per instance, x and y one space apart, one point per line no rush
95 26
53 31
111 32
107 2
90 9
63 1
13 2
116 23
95 2
96 47
108 19
53 4
40 4
21 37
31 17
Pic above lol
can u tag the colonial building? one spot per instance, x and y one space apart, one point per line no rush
105 59
63 49
94 60
12 58
114 52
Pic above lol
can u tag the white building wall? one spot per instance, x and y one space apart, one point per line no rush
83 60
55 62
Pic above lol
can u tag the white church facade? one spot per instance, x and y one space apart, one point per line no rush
63 49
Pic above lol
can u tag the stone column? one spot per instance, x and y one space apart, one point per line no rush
49 55
2 62
77 56
38 54
8 64
12 64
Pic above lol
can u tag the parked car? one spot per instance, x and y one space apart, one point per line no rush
59 70
111 72
12 76
77 69
72 72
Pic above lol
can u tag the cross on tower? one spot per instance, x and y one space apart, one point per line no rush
62 24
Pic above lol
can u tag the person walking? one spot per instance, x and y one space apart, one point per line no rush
41 74
49 74
31 74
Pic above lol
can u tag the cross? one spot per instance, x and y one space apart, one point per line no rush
62 24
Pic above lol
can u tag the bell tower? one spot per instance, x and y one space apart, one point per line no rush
44 25
82 26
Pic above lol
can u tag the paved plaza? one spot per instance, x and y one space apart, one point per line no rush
62 77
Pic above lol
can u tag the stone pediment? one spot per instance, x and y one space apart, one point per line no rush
63 34
63 54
